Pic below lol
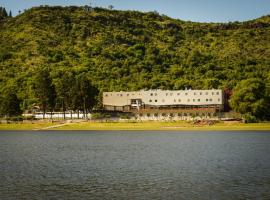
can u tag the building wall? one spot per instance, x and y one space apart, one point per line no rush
175 116
165 97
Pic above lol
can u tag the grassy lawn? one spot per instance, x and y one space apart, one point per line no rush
181 125
161 126
26 126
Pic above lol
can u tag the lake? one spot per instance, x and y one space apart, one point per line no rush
134 165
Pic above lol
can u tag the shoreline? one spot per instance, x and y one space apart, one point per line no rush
139 126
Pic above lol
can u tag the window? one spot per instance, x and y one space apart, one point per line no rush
200 93
148 114
185 114
178 94
141 114
206 93
163 100
127 95
217 93
179 114
121 95
155 94
199 100
166 94
212 93
150 100
210 99
179 100
193 100
206 99
194 93
151 94
218 99
186 93
163 114
106 95
156 114
171 114
156 100
188 100
171 94
174 100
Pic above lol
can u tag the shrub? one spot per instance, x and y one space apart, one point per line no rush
250 118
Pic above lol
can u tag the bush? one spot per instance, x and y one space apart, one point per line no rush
96 116
100 116
15 119
29 118
125 116
250 118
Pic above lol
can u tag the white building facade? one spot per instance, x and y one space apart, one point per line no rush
161 104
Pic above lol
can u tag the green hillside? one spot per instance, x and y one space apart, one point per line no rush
76 52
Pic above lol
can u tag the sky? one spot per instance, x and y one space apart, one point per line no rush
188 10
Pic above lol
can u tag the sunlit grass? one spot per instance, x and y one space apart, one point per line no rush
151 125
162 126
26 126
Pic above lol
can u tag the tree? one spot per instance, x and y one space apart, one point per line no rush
44 90
10 104
64 85
83 94
10 14
250 98
3 13
110 7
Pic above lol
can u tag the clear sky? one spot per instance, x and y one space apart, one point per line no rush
193 10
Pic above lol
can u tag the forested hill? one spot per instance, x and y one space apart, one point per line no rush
129 50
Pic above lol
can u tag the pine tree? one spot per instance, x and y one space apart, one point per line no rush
5 13
10 14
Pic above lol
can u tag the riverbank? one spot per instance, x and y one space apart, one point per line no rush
151 125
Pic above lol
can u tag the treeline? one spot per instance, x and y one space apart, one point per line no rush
70 92
129 50
4 14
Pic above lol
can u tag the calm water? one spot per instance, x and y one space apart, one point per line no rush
134 165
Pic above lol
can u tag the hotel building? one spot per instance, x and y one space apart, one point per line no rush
163 104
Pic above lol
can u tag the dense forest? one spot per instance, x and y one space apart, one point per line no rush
50 56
